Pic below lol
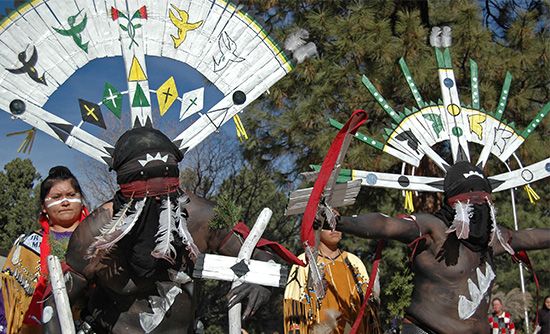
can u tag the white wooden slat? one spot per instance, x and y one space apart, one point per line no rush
219 15
106 28
21 85
59 292
388 180
450 96
411 160
219 267
199 11
341 195
154 30
523 176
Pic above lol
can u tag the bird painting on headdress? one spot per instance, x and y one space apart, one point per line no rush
182 24
228 53
501 138
28 66
75 30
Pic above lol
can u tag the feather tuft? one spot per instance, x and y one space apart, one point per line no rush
296 40
183 231
495 232
461 222
167 225
296 43
119 227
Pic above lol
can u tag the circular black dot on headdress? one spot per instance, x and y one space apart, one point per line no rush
527 175
239 97
547 167
403 181
17 107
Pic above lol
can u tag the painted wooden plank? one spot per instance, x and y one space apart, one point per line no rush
207 124
522 176
155 28
62 12
342 195
457 120
59 292
107 29
245 254
218 267
397 181
12 47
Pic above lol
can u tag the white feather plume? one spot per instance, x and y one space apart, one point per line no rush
107 229
495 232
307 51
296 43
115 230
167 225
461 222
183 231
296 39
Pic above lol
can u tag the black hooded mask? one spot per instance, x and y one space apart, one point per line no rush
142 154
464 178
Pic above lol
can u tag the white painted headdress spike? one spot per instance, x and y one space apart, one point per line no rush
417 128
48 41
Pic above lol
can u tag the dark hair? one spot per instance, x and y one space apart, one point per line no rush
56 174
499 300
543 302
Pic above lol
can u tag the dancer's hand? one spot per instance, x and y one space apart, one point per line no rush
256 295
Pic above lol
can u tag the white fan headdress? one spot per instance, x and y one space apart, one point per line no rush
45 42
416 129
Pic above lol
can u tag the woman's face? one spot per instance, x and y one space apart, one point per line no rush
547 303
63 205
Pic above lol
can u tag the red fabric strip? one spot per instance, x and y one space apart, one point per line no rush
474 197
372 278
355 121
34 312
284 253
152 187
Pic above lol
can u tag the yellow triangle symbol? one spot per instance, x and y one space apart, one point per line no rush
136 72
167 93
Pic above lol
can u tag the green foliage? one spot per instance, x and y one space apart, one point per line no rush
227 213
18 202
369 37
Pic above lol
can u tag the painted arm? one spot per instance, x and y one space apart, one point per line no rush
526 239
380 226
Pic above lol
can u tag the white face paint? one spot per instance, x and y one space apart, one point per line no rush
59 201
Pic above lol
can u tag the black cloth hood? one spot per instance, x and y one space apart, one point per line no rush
464 177
144 153
461 178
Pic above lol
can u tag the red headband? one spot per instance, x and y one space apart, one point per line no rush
474 197
152 187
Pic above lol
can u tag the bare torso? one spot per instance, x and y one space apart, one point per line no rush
119 298
442 270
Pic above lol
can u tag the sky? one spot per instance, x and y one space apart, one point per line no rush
88 83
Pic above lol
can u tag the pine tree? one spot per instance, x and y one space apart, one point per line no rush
18 201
